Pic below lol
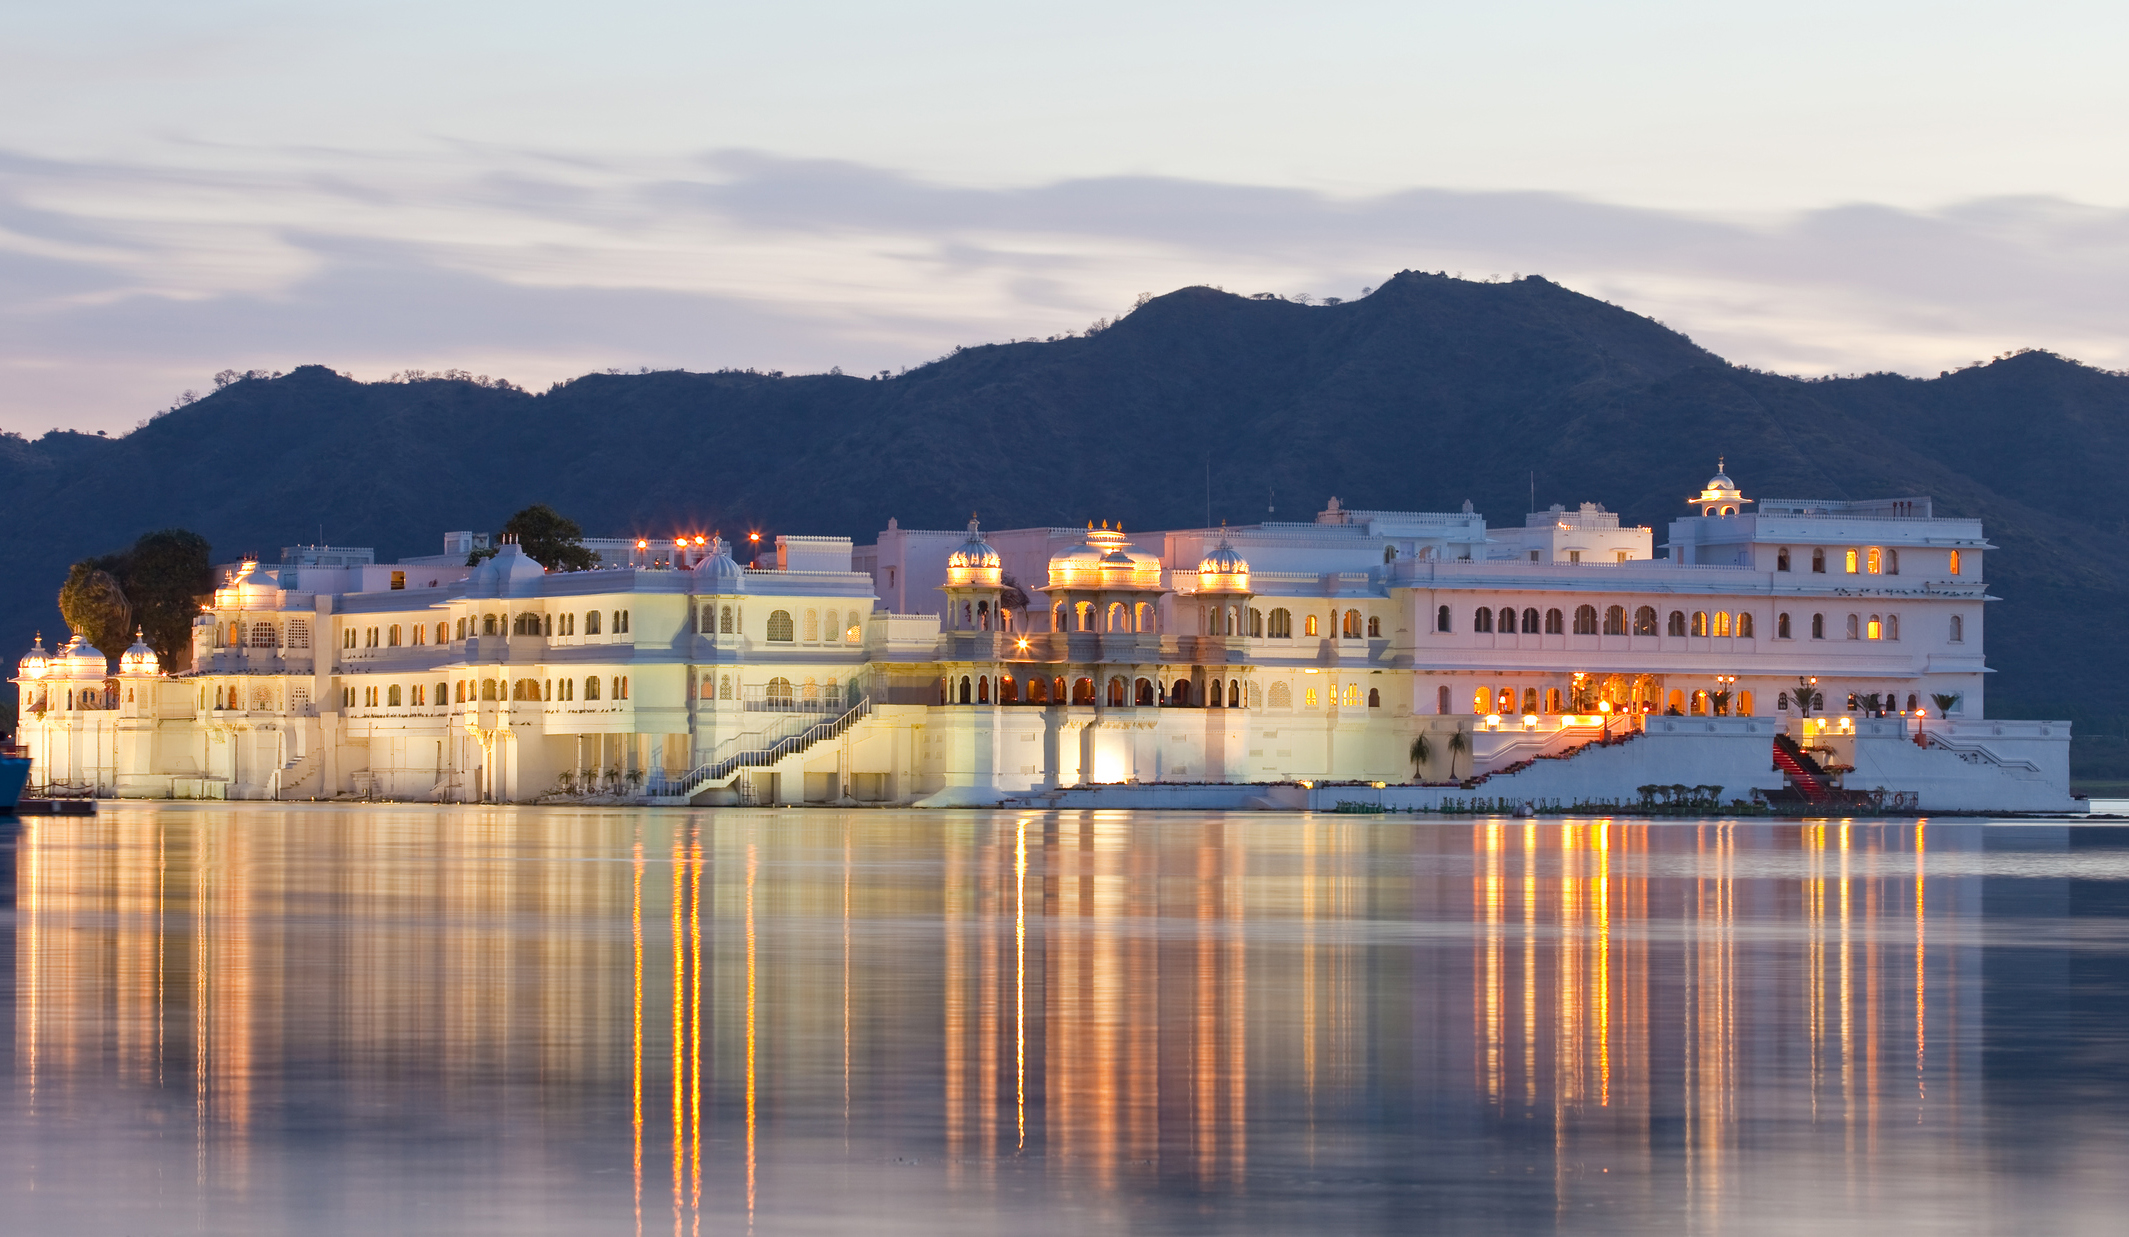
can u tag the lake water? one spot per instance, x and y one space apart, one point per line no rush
322 1020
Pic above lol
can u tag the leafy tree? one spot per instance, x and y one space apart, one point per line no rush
164 575
93 604
1422 754
1945 701
548 537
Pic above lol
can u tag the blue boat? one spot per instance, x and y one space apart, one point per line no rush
14 773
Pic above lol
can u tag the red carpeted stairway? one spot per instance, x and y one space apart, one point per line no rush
1803 772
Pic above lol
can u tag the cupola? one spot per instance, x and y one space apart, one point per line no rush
1224 570
1720 496
139 658
35 663
974 562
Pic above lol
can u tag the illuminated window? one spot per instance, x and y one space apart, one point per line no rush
1875 630
1722 623
1083 691
1874 561
1744 704
1309 626
1308 698
780 626
1955 562
1700 704
1482 701
1352 694
1852 560
1700 623
1505 703
1352 624
1552 700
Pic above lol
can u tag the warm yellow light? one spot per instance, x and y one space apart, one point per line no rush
754 536
1493 720
698 539
1921 713
1022 644
1604 706
1529 720
680 542
643 545
1311 672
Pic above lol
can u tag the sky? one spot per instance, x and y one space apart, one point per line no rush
534 190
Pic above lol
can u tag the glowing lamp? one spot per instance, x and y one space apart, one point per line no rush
1530 721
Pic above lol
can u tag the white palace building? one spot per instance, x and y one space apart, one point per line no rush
1822 655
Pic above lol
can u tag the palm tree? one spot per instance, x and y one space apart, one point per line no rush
1945 701
1422 752
1458 742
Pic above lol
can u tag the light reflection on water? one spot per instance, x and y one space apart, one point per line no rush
274 1019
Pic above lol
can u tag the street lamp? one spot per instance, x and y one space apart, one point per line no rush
1728 692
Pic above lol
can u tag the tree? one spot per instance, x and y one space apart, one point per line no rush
1422 753
1945 701
94 605
548 537
164 575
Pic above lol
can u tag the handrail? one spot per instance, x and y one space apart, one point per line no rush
1975 753
760 757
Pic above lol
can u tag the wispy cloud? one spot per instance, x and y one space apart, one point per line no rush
121 284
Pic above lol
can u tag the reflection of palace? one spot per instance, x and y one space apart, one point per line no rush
967 667
1125 1004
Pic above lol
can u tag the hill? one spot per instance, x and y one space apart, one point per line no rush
1428 392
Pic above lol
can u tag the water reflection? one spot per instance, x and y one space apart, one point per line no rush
258 1019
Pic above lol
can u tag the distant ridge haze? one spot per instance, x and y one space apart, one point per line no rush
1428 392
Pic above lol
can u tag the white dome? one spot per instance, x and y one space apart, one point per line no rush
34 663
974 552
719 572
139 659
80 659
1223 561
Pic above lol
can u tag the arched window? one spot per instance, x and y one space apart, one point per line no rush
1083 620
1482 701
1082 691
1530 622
391 695
1530 700
1851 560
1892 562
1352 694
1645 621
487 625
1116 692
1958 629
1615 620
1374 626
1057 617
1677 703
1781 626
1818 561
780 626
1505 702
1744 625
1352 625
1892 627
487 689
591 687
1700 623
813 627
1722 622
1309 626
1057 690
620 624
1507 620
1142 692
1143 619
1700 704
1008 690
724 620
1854 627
964 697
1282 697
1744 704
1781 702
1441 619
1234 693
1038 691
1677 623
1875 630
1282 624
1552 700
983 689
1955 562
1117 621
724 687
1309 699
1781 559
1256 621
1911 702
1818 627
1441 700
779 688
1585 620
1874 560
591 622
1555 623
1180 695
1482 619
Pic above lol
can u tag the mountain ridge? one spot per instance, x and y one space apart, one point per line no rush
1430 391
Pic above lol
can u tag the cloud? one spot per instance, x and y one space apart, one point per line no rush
122 283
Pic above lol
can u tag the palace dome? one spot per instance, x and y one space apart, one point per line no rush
81 660
34 663
139 659
1223 561
974 552
719 572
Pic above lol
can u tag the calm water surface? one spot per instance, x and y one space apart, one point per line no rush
319 1020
